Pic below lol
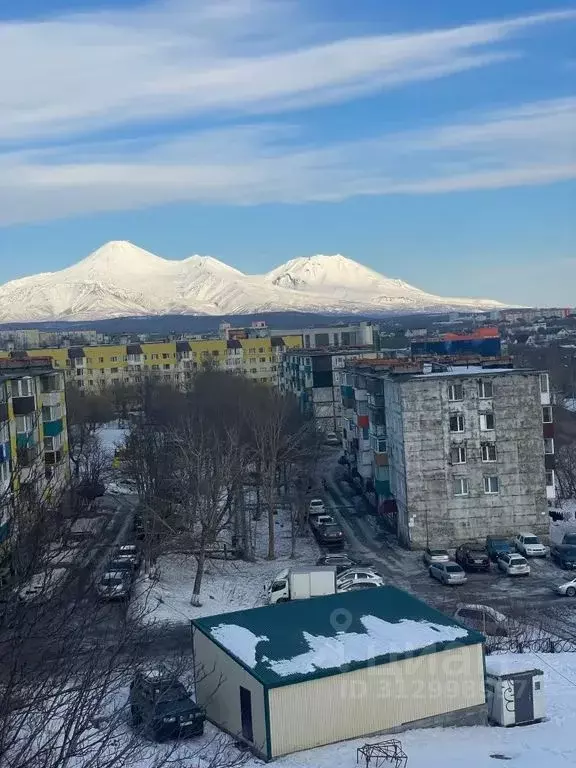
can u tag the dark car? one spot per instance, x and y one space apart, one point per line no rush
564 555
330 535
472 558
90 489
163 708
496 546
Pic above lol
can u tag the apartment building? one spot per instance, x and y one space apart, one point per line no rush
468 450
174 362
315 377
351 335
33 435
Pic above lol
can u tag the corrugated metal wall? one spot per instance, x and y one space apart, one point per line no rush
218 681
374 699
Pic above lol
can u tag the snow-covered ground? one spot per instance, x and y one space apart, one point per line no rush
228 585
111 436
550 744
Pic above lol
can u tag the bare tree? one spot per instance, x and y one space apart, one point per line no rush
86 413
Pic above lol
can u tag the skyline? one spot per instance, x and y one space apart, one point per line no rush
431 144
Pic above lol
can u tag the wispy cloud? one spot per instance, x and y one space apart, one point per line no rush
531 144
78 73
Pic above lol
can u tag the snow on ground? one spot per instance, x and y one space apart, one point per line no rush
548 744
111 436
570 404
568 509
228 585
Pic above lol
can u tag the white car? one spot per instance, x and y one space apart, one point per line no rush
316 507
332 438
568 588
483 618
530 545
359 574
447 573
434 555
513 565
353 586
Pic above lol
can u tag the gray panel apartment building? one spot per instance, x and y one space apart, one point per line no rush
470 453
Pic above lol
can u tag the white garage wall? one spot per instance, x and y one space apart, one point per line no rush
374 699
218 681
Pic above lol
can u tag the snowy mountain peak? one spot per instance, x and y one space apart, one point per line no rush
120 279
119 256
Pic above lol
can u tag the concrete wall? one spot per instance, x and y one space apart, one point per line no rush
396 458
436 514
376 699
218 681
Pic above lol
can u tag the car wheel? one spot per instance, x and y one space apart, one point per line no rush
571 592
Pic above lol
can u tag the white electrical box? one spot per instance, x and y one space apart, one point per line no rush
514 691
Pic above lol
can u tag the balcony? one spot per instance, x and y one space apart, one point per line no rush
53 428
24 405
25 440
27 456
51 399
3 411
376 401
4 452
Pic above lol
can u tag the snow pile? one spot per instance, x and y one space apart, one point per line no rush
239 641
506 665
120 279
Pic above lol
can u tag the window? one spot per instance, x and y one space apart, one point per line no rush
458 454
154 356
455 392
536 685
485 389
113 370
215 353
100 359
22 387
253 370
165 355
155 367
262 359
488 452
491 484
550 477
260 349
548 445
544 383
457 423
486 422
547 414
114 359
167 366
24 424
461 486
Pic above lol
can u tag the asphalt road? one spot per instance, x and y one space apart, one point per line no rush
369 537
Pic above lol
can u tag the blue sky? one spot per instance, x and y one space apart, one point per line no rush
432 141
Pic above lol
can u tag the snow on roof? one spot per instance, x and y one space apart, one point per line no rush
500 666
332 634
467 370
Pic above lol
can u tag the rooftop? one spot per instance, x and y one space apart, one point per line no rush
329 635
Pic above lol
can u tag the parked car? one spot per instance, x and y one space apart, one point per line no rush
124 564
330 536
564 555
114 585
91 489
497 545
567 588
529 545
483 619
316 507
332 438
340 561
354 586
359 574
320 520
513 565
42 585
163 708
433 555
472 558
130 553
448 573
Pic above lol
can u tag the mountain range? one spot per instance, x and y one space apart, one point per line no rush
120 279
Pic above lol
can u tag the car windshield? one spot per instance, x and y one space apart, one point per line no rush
438 552
477 553
331 529
531 540
453 568
517 559
316 503
501 545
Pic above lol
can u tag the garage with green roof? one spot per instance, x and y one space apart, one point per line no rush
306 673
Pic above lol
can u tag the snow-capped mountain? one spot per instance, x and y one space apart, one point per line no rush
119 279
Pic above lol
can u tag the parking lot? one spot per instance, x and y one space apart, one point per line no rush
367 536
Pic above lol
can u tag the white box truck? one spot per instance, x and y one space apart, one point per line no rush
302 583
